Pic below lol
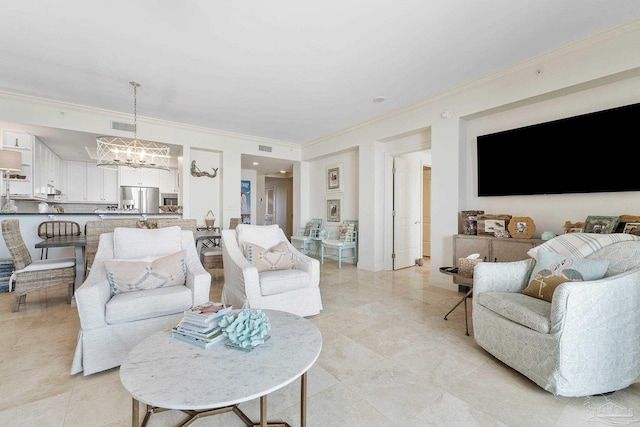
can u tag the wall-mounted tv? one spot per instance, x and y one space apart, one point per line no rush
592 153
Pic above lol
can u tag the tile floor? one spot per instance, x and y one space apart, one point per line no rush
388 359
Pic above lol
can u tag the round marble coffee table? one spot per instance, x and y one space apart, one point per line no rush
165 373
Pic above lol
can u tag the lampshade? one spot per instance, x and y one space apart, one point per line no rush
10 160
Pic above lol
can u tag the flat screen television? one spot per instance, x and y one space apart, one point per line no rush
590 153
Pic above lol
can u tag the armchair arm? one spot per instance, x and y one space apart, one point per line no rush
502 276
198 279
93 295
607 309
239 274
306 263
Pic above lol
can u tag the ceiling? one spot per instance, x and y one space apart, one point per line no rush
282 69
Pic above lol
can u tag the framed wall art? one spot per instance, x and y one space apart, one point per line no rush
334 208
334 178
601 224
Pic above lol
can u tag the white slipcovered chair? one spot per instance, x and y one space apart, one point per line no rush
294 290
585 341
112 324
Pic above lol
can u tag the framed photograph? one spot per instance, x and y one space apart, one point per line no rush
632 228
601 224
470 221
493 225
489 224
334 177
521 227
574 230
334 209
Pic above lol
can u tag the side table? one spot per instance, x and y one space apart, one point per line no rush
467 281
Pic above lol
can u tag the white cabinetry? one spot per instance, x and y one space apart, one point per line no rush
170 181
47 169
87 183
102 184
140 177
29 186
76 181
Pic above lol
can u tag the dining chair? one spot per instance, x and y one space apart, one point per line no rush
337 241
49 229
233 223
32 275
308 236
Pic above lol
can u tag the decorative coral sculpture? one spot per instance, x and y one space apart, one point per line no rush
246 328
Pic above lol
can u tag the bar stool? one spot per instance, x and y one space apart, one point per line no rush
49 229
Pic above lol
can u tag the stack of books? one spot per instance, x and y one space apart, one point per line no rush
199 326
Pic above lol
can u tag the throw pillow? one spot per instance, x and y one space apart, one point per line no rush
553 269
144 274
277 257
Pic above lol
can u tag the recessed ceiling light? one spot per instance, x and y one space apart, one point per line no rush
255 163
379 99
283 171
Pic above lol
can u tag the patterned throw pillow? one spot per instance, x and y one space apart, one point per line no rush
345 228
139 275
276 257
553 269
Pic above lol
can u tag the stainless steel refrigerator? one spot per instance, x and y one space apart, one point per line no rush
145 199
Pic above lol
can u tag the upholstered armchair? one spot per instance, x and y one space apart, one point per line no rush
555 321
262 270
141 281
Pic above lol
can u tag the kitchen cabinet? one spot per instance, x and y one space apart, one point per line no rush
47 170
491 248
170 181
140 177
88 183
102 184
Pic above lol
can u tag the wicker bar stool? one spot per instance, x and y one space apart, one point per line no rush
49 229
32 275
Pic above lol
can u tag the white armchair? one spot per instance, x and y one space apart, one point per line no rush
112 324
293 290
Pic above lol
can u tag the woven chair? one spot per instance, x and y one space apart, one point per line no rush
93 230
32 275
49 229
233 223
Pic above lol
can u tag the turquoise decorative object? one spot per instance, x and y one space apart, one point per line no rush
246 329
548 235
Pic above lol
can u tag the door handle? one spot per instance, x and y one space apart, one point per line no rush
417 222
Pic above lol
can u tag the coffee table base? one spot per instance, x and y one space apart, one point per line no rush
195 415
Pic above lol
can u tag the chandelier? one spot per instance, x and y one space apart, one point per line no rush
115 151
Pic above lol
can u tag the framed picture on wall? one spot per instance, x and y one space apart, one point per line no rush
334 207
334 178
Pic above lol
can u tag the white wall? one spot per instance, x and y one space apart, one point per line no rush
204 192
319 194
610 58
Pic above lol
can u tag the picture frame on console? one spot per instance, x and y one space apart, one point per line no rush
632 228
601 224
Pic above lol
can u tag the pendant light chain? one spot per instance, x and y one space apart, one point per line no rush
135 110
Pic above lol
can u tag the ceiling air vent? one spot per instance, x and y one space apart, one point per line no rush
264 148
129 127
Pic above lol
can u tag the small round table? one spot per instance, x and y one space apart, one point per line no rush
166 374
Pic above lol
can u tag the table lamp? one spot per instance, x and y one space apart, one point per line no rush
10 161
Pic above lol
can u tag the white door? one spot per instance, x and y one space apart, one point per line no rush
407 204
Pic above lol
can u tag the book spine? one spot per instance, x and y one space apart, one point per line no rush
185 338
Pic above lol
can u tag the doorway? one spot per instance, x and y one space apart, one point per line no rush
426 212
